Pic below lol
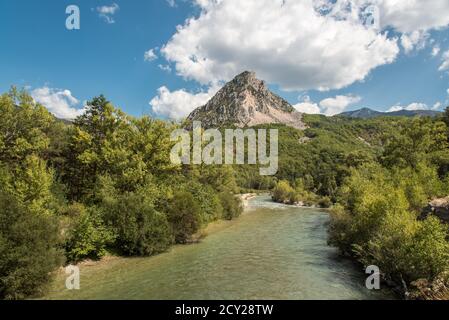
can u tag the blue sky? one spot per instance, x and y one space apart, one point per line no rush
108 58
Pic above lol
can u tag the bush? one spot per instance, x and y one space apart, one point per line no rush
184 216
140 229
88 237
283 192
232 206
325 202
28 249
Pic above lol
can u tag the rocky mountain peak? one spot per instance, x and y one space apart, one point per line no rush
244 102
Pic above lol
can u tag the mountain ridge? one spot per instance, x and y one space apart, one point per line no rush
367 113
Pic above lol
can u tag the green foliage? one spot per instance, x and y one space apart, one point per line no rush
88 236
415 141
232 207
184 216
24 128
378 223
139 228
28 249
283 192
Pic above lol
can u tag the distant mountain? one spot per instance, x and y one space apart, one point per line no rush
244 102
367 113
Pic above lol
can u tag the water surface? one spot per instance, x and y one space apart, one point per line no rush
272 252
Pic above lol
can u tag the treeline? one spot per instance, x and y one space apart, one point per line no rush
102 184
378 219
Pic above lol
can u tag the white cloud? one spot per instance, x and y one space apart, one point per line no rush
307 44
407 16
436 51
329 106
437 106
447 91
445 65
333 106
414 40
411 107
107 12
179 104
285 42
165 67
60 103
307 106
150 55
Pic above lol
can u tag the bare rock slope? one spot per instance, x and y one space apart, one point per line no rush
245 102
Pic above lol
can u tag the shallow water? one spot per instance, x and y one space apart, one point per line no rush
272 252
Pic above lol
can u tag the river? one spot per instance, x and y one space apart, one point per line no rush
271 252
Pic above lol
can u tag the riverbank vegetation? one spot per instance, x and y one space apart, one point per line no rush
379 218
102 184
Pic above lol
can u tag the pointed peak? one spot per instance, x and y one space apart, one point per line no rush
246 101
249 78
250 75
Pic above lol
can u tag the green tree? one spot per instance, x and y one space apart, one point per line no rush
184 216
88 236
232 207
139 228
28 249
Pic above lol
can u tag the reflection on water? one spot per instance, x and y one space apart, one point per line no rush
271 252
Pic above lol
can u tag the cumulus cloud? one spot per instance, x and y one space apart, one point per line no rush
307 106
286 42
179 104
329 106
414 106
333 106
60 103
150 55
407 16
107 12
299 45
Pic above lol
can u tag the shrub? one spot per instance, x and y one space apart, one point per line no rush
283 192
232 206
184 216
28 249
140 229
88 236
325 202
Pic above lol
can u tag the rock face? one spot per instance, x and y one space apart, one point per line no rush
246 102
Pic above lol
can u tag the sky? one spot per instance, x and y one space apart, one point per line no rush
166 57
